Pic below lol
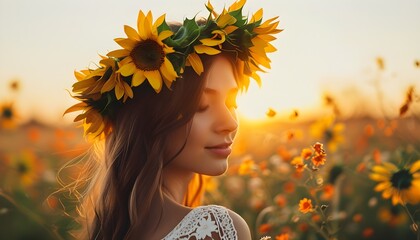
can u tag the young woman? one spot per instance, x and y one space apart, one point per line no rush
163 108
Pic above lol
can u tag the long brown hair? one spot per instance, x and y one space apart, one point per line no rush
123 176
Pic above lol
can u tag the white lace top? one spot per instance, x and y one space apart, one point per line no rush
205 222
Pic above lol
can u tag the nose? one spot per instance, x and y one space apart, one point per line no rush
226 121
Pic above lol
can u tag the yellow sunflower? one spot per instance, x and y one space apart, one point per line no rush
92 83
7 116
94 124
402 185
224 22
144 54
26 168
329 131
261 43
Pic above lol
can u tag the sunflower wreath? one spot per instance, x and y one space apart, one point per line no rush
155 53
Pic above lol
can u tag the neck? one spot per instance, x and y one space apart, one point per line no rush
175 184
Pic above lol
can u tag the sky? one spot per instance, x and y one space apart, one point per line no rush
326 46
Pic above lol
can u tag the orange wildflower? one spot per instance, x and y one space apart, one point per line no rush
283 236
367 232
303 227
316 218
377 156
298 163
280 200
284 153
34 134
247 167
305 206
361 167
357 218
306 153
369 130
319 148
289 187
328 192
319 160
265 228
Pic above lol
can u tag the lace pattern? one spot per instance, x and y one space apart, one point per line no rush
201 222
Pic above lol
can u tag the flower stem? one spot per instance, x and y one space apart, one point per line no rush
415 225
30 214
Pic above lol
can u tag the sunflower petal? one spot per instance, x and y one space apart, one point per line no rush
381 170
390 166
119 91
78 86
131 33
378 177
218 38
126 60
159 22
267 37
147 27
127 69
165 34
237 5
396 199
205 49
154 79
127 89
270 48
262 60
230 29
126 43
169 70
140 25
224 20
415 167
80 117
120 53
77 107
387 193
138 78
382 186
79 76
257 16
109 85
195 62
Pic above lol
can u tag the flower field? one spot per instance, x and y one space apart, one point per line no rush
332 177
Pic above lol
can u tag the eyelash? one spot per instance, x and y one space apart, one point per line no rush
202 108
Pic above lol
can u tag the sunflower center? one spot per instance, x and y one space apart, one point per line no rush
329 135
22 168
7 113
148 55
402 179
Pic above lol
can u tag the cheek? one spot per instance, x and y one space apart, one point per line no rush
174 143
199 129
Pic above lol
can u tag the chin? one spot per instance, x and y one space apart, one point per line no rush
216 169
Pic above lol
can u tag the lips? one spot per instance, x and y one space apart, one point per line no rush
222 150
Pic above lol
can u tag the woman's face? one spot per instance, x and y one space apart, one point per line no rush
213 126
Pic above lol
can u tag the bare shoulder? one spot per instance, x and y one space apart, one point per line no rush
241 226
